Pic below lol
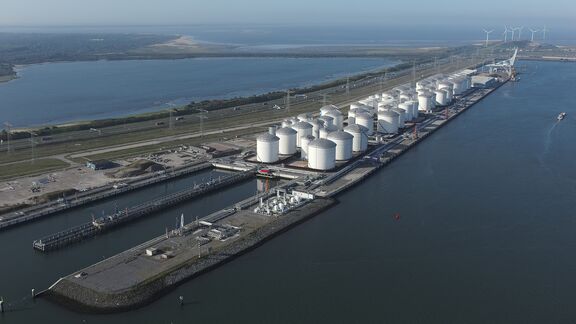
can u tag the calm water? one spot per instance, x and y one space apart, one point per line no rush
486 234
63 92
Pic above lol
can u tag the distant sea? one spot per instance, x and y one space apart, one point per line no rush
268 35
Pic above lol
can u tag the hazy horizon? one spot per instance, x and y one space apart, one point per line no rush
492 13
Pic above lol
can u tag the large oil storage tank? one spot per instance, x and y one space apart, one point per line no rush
440 97
457 86
337 118
287 143
414 104
407 107
447 86
302 128
366 120
360 138
352 114
388 122
424 103
321 154
304 141
267 147
343 141
401 116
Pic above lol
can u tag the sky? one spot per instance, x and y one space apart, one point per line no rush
296 12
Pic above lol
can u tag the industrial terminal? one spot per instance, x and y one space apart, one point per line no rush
312 157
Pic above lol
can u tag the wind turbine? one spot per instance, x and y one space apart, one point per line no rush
520 32
488 32
533 31
544 30
505 33
512 29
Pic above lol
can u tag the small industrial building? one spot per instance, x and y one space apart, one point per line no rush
481 81
100 164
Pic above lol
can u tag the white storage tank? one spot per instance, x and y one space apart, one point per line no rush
457 86
267 147
360 138
304 141
401 116
424 102
414 104
343 141
447 86
338 119
407 107
287 144
388 122
321 154
302 128
440 97
352 114
366 120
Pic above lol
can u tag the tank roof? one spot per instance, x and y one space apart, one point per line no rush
363 115
322 143
340 135
388 113
302 125
328 107
267 137
354 128
285 131
333 113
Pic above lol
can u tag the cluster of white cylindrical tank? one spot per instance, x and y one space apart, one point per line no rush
267 146
321 154
278 204
453 85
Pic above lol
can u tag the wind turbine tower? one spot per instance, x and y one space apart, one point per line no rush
505 33
544 30
533 31
488 32
520 32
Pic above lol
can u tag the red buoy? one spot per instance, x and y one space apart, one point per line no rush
397 216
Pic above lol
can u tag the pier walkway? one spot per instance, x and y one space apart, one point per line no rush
99 225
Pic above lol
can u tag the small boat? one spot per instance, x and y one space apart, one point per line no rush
561 115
